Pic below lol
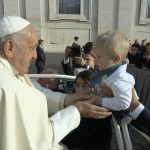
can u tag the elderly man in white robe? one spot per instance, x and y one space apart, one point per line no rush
24 122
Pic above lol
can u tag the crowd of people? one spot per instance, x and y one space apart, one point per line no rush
32 116
109 58
139 55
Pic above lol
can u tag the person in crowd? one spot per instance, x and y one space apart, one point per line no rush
50 83
88 47
41 59
24 122
146 58
142 47
69 62
91 134
78 61
130 43
134 57
110 50
90 60
136 44
75 43
140 115
87 58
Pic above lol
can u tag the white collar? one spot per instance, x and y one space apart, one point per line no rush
12 70
8 66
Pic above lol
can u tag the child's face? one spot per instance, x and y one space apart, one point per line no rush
82 87
102 60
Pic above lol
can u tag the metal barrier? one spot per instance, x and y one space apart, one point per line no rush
63 83
60 76
122 133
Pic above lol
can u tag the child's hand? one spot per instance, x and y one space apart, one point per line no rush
97 100
106 91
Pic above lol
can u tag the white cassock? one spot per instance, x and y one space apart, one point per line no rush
24 122
55 100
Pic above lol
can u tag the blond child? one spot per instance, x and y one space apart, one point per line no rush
110 50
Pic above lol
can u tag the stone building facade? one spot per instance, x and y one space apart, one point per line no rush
94 17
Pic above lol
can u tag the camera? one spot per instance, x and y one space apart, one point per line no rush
75 51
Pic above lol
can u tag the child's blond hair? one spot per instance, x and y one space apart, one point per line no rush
113 43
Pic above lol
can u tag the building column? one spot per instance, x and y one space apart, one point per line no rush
33 13
105 16
1 7
11 7
126 16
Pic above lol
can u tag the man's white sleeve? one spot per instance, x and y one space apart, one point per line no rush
63 122
55 100
135 113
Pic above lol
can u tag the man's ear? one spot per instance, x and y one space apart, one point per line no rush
117 58
8 48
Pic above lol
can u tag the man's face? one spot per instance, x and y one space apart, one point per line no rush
25 50
90 60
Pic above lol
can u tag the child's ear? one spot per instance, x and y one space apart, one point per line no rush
117 58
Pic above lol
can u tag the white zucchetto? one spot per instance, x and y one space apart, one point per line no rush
11 24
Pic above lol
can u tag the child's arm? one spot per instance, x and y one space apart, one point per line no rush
122 91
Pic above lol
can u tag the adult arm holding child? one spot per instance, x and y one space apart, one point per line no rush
139 113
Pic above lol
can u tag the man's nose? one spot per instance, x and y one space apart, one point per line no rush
34 54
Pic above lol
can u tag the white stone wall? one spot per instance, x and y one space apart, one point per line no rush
1 8
57 34
139 31
117 15
102 15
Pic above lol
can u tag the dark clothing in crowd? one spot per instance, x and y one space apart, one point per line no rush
142 50
143 121
91 134
41 59
146 63
137 45
135 59
67 68
70 66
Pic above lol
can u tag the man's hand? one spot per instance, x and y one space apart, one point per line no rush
70 99
88 110
86 106
134 102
